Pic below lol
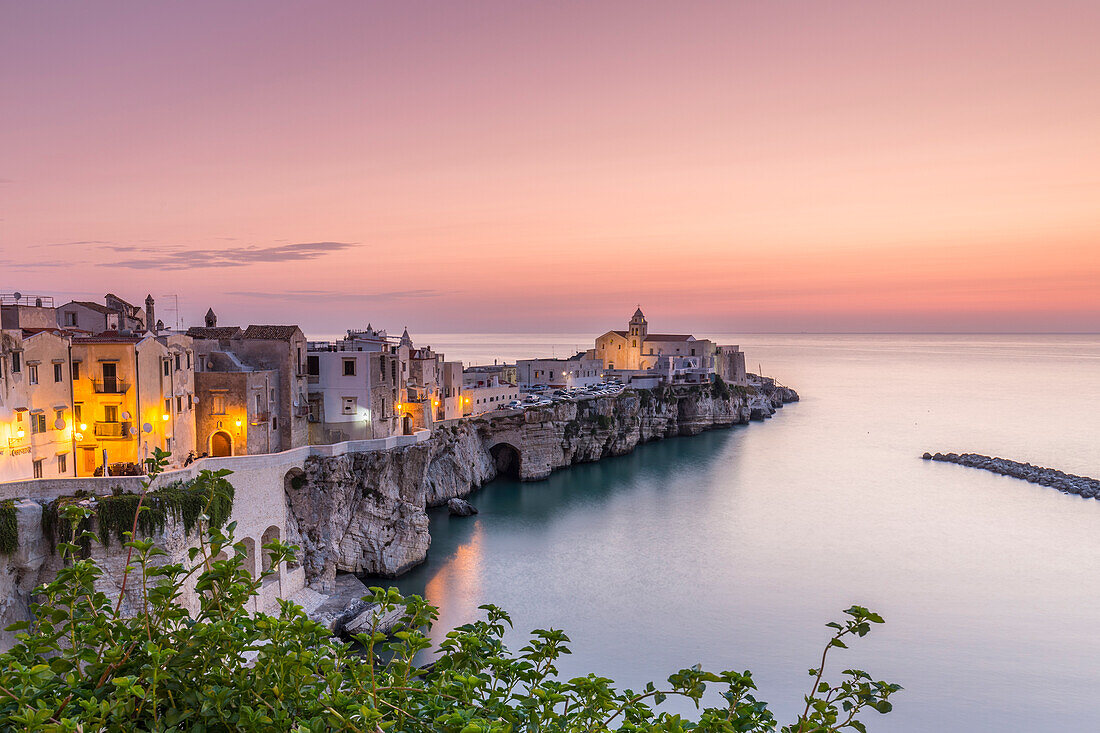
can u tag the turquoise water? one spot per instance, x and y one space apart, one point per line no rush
733 548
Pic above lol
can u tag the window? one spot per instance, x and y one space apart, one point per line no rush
349 405
177 362
34 374
272 395
634 342
76 370
57 373
693 352
349 367
78 412
110 413
167 368
58 415
38 423
62 464
38 469
188 359
179 404
219 404
259 405
190 402
314 365
274 423
393 370
16 362
167 405
70 318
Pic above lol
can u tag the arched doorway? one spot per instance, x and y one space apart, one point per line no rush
221 444
506 458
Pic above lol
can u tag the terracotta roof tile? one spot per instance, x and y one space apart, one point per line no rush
215 332
278 333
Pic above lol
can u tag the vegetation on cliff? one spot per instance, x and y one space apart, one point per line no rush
83 665
117 515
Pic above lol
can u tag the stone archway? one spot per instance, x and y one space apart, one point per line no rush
506 458
221 444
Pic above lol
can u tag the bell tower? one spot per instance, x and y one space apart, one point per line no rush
638 326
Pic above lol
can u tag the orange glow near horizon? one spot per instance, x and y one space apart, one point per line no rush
545 167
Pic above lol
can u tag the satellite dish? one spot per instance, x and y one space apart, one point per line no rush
59 424
18 295
147 428
133 431
125 415
195 400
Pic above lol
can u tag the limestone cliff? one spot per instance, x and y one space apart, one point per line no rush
366 513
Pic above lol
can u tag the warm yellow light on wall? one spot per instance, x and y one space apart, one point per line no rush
83 427
238 423
20 433
164 417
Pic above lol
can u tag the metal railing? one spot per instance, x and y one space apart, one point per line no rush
110 386
112 430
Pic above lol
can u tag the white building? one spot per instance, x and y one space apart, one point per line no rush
482 392
36 421
354 388
580 370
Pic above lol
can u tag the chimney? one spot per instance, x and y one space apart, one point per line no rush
150 321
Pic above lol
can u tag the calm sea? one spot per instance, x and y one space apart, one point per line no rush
733 548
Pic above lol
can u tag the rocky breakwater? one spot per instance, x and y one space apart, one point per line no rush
1067 483
367 512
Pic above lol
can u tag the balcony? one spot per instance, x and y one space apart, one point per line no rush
301 411
260 417
120 430
110 386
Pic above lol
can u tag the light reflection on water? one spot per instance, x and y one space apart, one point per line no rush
734 547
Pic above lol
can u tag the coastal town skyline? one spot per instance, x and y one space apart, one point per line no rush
485 168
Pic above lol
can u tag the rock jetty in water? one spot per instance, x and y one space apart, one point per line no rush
1067 483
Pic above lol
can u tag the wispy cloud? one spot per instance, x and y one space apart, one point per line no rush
175 258
74 244
335 296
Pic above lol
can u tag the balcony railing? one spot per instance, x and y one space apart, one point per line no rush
113 430
110 386
260 417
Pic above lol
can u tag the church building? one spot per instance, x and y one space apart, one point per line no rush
638 349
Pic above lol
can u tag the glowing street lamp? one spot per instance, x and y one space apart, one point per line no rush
165 417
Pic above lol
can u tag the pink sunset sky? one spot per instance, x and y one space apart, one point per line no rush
732 166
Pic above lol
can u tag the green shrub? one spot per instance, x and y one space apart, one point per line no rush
83 665
9 527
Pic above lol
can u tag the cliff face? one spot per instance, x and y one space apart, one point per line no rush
366 513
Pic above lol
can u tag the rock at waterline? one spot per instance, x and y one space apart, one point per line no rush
460 508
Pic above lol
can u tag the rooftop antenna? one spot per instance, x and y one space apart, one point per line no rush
176 305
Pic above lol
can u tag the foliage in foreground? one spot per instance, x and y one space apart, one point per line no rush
83 665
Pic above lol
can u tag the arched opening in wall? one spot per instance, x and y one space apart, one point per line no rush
506 459
407 425
293 481
249 558
271 533
221 444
